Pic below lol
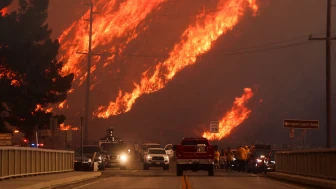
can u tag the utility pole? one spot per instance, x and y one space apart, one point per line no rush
328 39
88 76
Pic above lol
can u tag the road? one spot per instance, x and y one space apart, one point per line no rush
156 178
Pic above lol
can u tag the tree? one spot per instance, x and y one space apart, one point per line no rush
29 70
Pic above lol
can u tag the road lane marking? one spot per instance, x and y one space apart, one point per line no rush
88 184
188 183
185 182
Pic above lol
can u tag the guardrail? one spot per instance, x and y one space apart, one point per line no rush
314 163
22 161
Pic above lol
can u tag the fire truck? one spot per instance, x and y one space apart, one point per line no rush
117 154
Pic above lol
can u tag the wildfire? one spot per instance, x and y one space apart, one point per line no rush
40 108
63 105
4 11
107 26
232 118
68 127
196 40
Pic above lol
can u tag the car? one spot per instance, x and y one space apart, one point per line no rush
195 154
156 157
256 159
270 161
145 147
89 150
117 154
78 159
170 150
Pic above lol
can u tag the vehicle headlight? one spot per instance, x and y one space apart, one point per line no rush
123 158
100 158
262 156
89 160
166 158
128 150
234 159
149 157
273 162
259 160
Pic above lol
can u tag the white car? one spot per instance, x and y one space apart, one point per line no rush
145 147
170 150
156 157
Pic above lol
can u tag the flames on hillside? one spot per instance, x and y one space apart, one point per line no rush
232 118
121 20
196 40
4 11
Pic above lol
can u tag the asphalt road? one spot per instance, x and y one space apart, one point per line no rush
156 178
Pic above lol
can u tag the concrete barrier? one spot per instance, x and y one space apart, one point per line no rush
22 161
313 163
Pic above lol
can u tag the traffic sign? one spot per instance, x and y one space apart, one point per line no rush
214 126
301 124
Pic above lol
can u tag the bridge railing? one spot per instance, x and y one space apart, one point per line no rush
22 161
319 163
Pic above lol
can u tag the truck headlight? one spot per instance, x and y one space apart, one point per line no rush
123 158
259 160
149 157
166 158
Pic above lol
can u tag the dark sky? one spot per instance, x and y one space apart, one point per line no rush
291 79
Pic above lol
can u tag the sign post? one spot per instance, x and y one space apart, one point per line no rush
214 126
300 124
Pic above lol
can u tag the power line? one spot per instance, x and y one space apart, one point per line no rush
221 53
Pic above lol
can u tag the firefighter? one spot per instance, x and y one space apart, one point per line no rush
247 151
229 158
216 158
241 158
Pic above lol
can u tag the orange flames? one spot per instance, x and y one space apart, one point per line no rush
108 25
195 41
4 11
68 127
63 105
232 118
40 108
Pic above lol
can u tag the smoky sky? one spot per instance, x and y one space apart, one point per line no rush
291 79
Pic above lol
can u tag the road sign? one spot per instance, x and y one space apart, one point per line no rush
5 139
214 126
5 136
301 124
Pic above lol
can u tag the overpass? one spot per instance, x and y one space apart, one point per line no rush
314 167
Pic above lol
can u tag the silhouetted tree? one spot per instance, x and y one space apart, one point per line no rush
29 71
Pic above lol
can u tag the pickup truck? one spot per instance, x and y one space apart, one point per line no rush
194 154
